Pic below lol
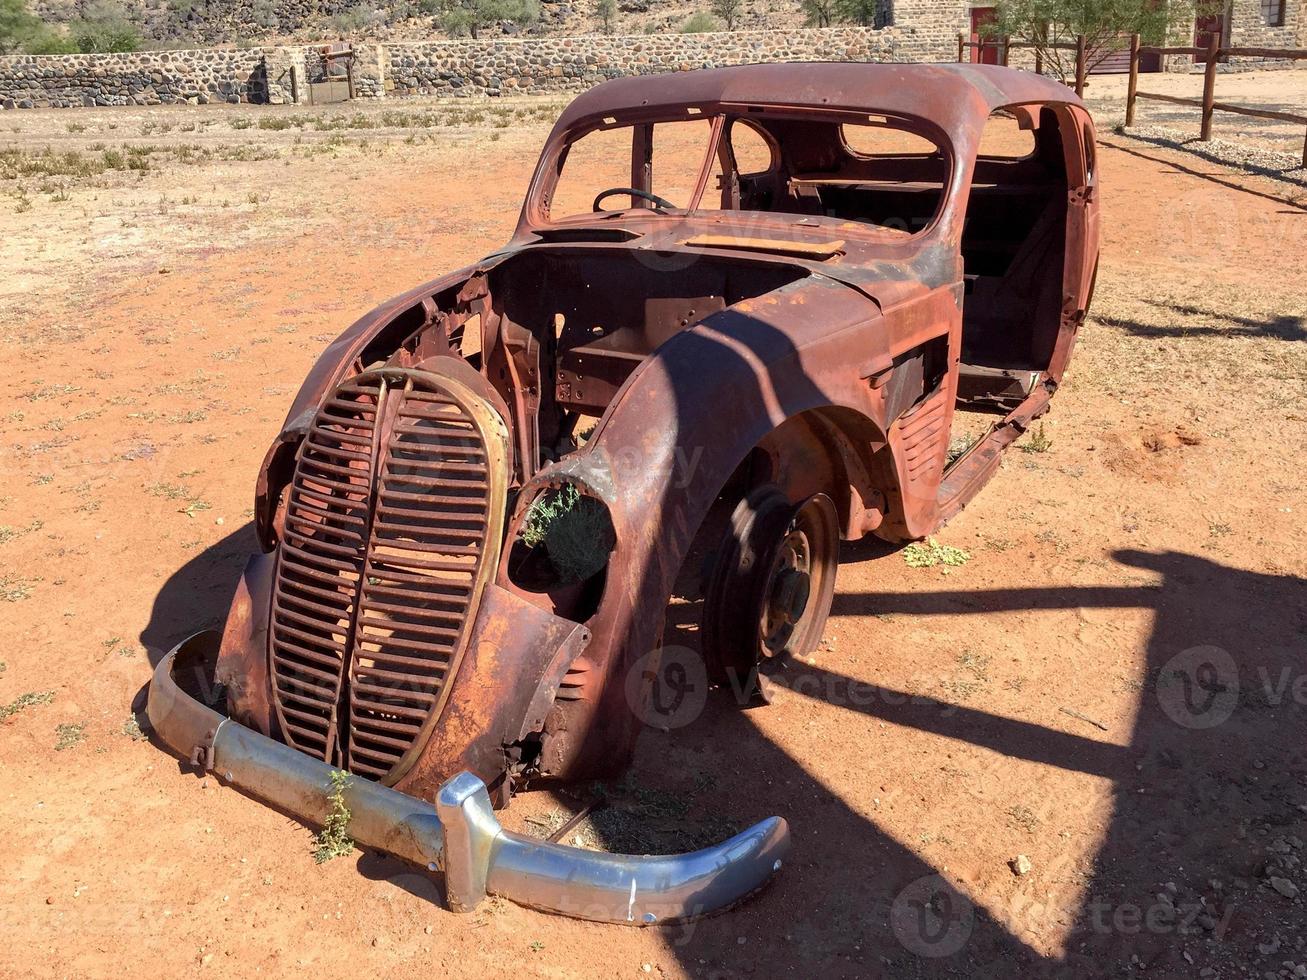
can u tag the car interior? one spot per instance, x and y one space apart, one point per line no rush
884 172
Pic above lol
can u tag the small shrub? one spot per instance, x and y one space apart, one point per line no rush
48 42
929 553
104 30
958 447
576 531
700 22
29 700
69 734
132 729
333 840
1039 441
544 510
14 590
356 19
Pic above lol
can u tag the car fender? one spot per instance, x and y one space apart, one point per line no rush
675 433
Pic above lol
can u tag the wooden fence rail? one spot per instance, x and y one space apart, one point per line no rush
1214 53
1208 104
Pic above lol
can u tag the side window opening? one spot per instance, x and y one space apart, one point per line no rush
1005 137
753 154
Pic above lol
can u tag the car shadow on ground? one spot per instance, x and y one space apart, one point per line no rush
197 595
1225 180
1282 327
1205 795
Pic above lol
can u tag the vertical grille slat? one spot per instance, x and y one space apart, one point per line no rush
392 524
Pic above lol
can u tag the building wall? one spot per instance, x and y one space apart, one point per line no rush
1248 28
929 29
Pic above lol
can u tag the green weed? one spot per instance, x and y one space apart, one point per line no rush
29 700
929 553
333 840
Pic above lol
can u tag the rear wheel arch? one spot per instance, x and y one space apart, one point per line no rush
854 467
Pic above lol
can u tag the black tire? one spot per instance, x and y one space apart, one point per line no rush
771 588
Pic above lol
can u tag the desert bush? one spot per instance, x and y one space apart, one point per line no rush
104 27
470 17
699 22
728 11
818 13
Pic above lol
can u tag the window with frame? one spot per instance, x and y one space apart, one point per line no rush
1273 12
865 168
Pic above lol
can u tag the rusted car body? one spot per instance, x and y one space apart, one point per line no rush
782 341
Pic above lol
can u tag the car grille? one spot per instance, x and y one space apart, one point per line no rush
392 526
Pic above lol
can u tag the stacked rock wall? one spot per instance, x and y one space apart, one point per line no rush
136 78
463 67
491 67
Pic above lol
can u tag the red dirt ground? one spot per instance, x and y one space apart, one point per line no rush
155 326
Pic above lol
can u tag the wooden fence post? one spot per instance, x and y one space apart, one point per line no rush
961 46
1082 67
1209 85
294 86
1132 92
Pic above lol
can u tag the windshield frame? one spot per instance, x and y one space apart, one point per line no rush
535 213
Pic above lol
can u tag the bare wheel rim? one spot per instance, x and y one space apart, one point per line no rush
797 592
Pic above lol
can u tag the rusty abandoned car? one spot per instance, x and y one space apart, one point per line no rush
757 292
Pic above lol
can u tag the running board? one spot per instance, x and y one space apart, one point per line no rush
973 468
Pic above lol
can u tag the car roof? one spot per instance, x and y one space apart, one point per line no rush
948 94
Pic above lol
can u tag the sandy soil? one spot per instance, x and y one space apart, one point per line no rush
155 323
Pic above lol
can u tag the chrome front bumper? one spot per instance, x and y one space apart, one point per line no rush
460 834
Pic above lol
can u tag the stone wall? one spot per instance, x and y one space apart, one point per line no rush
928 29
137 78
491 67
463 67
1249 29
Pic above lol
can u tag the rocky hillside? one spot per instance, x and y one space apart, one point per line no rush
179 23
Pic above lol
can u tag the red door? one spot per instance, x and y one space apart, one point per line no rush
987 54
1206 28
